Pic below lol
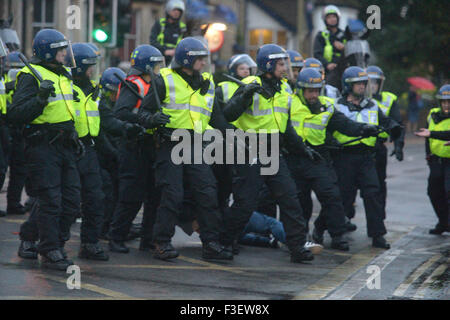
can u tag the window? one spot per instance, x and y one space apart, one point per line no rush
258 37
43 15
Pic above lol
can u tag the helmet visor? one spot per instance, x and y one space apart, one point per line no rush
10 39
243 65
376 84
69 56
157 63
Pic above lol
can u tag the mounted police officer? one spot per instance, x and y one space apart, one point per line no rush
45 106
315 118
167 32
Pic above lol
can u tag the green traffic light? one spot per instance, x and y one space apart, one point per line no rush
100 35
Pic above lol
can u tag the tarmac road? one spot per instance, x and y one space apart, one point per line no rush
416 266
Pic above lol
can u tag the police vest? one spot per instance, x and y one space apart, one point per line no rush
328 49
3 97
387 100
87 116
160 37
366 115
266 114
437 147
228 89
59 108
187 108
311 127
142 86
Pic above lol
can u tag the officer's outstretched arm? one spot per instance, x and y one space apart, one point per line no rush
25 106
238 103
339 122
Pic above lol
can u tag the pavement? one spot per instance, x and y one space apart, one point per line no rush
416 266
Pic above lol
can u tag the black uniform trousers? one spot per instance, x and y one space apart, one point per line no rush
91 195
54 176
136 186
439 188
17 169
381 164
4 151
171 179
247 183
322 179
356 170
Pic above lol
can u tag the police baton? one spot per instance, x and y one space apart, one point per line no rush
128 86
380 130
155 91
263 91
25 62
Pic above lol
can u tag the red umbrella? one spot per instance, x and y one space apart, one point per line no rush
421 83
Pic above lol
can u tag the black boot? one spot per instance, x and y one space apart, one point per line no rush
118 246
301 255
380 242
165 251
439 229
55 260
64 254
28 250
92 251
146 245
317 236
350 226
339 243
214 250
17 210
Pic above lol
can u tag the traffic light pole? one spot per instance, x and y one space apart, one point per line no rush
113 43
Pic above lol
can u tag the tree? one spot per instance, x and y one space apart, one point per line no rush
413 41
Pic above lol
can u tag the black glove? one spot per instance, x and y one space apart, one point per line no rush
396 132
398 150
157 119
369 130
75 96
311 153
10 85
250 89
132 130
46 89
204 87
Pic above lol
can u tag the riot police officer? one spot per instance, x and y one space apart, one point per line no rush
263 104
354 164
314 118
43 100
387 102
87 124
187 97
112 130
17 164
327 90
137 154
297 63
